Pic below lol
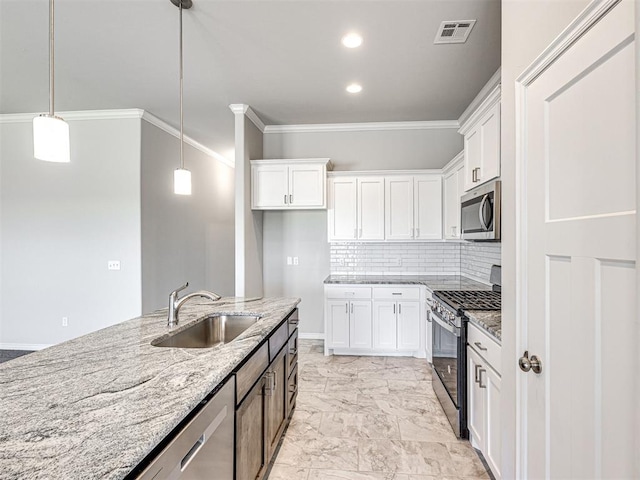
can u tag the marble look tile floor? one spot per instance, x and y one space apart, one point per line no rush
361 418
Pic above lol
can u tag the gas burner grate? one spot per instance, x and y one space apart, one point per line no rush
470 299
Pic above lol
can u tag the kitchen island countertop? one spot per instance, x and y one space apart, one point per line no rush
488 320
96 406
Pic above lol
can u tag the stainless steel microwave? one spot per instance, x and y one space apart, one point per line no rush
480 213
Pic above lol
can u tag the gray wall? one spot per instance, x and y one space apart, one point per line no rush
248 227
61 224
528 27
184 238
301 234
369 150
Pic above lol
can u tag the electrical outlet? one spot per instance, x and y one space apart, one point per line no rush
113 264
398 261
295 260
65 321
341 261
289 261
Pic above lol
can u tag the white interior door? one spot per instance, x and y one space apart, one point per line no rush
577 252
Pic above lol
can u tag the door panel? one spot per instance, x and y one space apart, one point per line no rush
277 400
341 215
360 332
408 325
371 208
578 255
472 156
269 186
384 325
251 451
493 432
306 185
427 207
476 410
490 139
338 323
399 208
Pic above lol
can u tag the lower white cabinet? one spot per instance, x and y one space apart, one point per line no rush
375 320
483 398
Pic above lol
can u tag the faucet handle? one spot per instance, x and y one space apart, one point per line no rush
179 289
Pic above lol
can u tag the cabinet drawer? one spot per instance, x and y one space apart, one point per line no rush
347 292
278 339
250 371
396 293
487 348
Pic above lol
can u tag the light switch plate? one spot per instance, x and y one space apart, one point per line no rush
113 264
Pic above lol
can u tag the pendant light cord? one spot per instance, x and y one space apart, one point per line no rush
181 94
51 53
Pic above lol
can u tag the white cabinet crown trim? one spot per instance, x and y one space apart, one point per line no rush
384 173
492 99
293 161
481 97
454 163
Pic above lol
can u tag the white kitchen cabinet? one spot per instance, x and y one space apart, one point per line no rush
483 396
482 142
453 188
413 207
289 184
381 319
356 208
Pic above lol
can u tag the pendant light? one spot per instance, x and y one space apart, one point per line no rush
181 176
51 133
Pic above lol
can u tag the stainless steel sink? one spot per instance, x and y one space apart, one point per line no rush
208 332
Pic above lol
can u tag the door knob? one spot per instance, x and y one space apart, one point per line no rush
532 363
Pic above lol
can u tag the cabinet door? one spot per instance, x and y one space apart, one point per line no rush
384 325
490 150
337 324
472 157
427 207
306 186
493 441
408 325
276 403
269 186
476 415
342 208
398 208
360 324
429 345
452 205
251 444
371 208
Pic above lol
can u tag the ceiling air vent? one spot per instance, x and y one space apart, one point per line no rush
456 31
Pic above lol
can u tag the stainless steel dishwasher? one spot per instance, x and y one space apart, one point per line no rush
204 448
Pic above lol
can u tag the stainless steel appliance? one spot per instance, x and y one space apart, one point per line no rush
480 212
203 448
450 349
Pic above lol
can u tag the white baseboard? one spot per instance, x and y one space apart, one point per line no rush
24 346
311 336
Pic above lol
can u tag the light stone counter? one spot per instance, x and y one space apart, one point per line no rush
95 406
432 282
488 320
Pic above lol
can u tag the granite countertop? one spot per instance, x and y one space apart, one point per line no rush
433 282
489 321
95 406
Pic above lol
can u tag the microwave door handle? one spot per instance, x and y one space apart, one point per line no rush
481 212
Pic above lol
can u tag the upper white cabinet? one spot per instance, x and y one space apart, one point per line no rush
286 184
413 207
481 132
356 208
453 188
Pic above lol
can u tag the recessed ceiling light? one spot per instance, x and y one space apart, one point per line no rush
354 88
352 40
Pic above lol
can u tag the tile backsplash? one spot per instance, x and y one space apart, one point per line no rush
470 259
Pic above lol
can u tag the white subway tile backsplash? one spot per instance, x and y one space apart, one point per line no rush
470 259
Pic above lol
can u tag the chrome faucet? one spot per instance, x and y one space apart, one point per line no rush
175 303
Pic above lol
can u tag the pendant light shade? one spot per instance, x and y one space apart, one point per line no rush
51 139
181 176
182 181
51 133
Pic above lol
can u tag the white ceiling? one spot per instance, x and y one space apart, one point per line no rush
282 57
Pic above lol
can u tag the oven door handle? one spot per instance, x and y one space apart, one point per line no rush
447 326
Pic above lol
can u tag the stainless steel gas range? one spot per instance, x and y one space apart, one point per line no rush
450 348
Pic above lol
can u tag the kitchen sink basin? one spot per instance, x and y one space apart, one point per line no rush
208 332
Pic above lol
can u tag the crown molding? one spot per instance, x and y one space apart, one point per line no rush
384 173
487 103
135 113
483 94
243 109
162 125
362 127
454 163
76 115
